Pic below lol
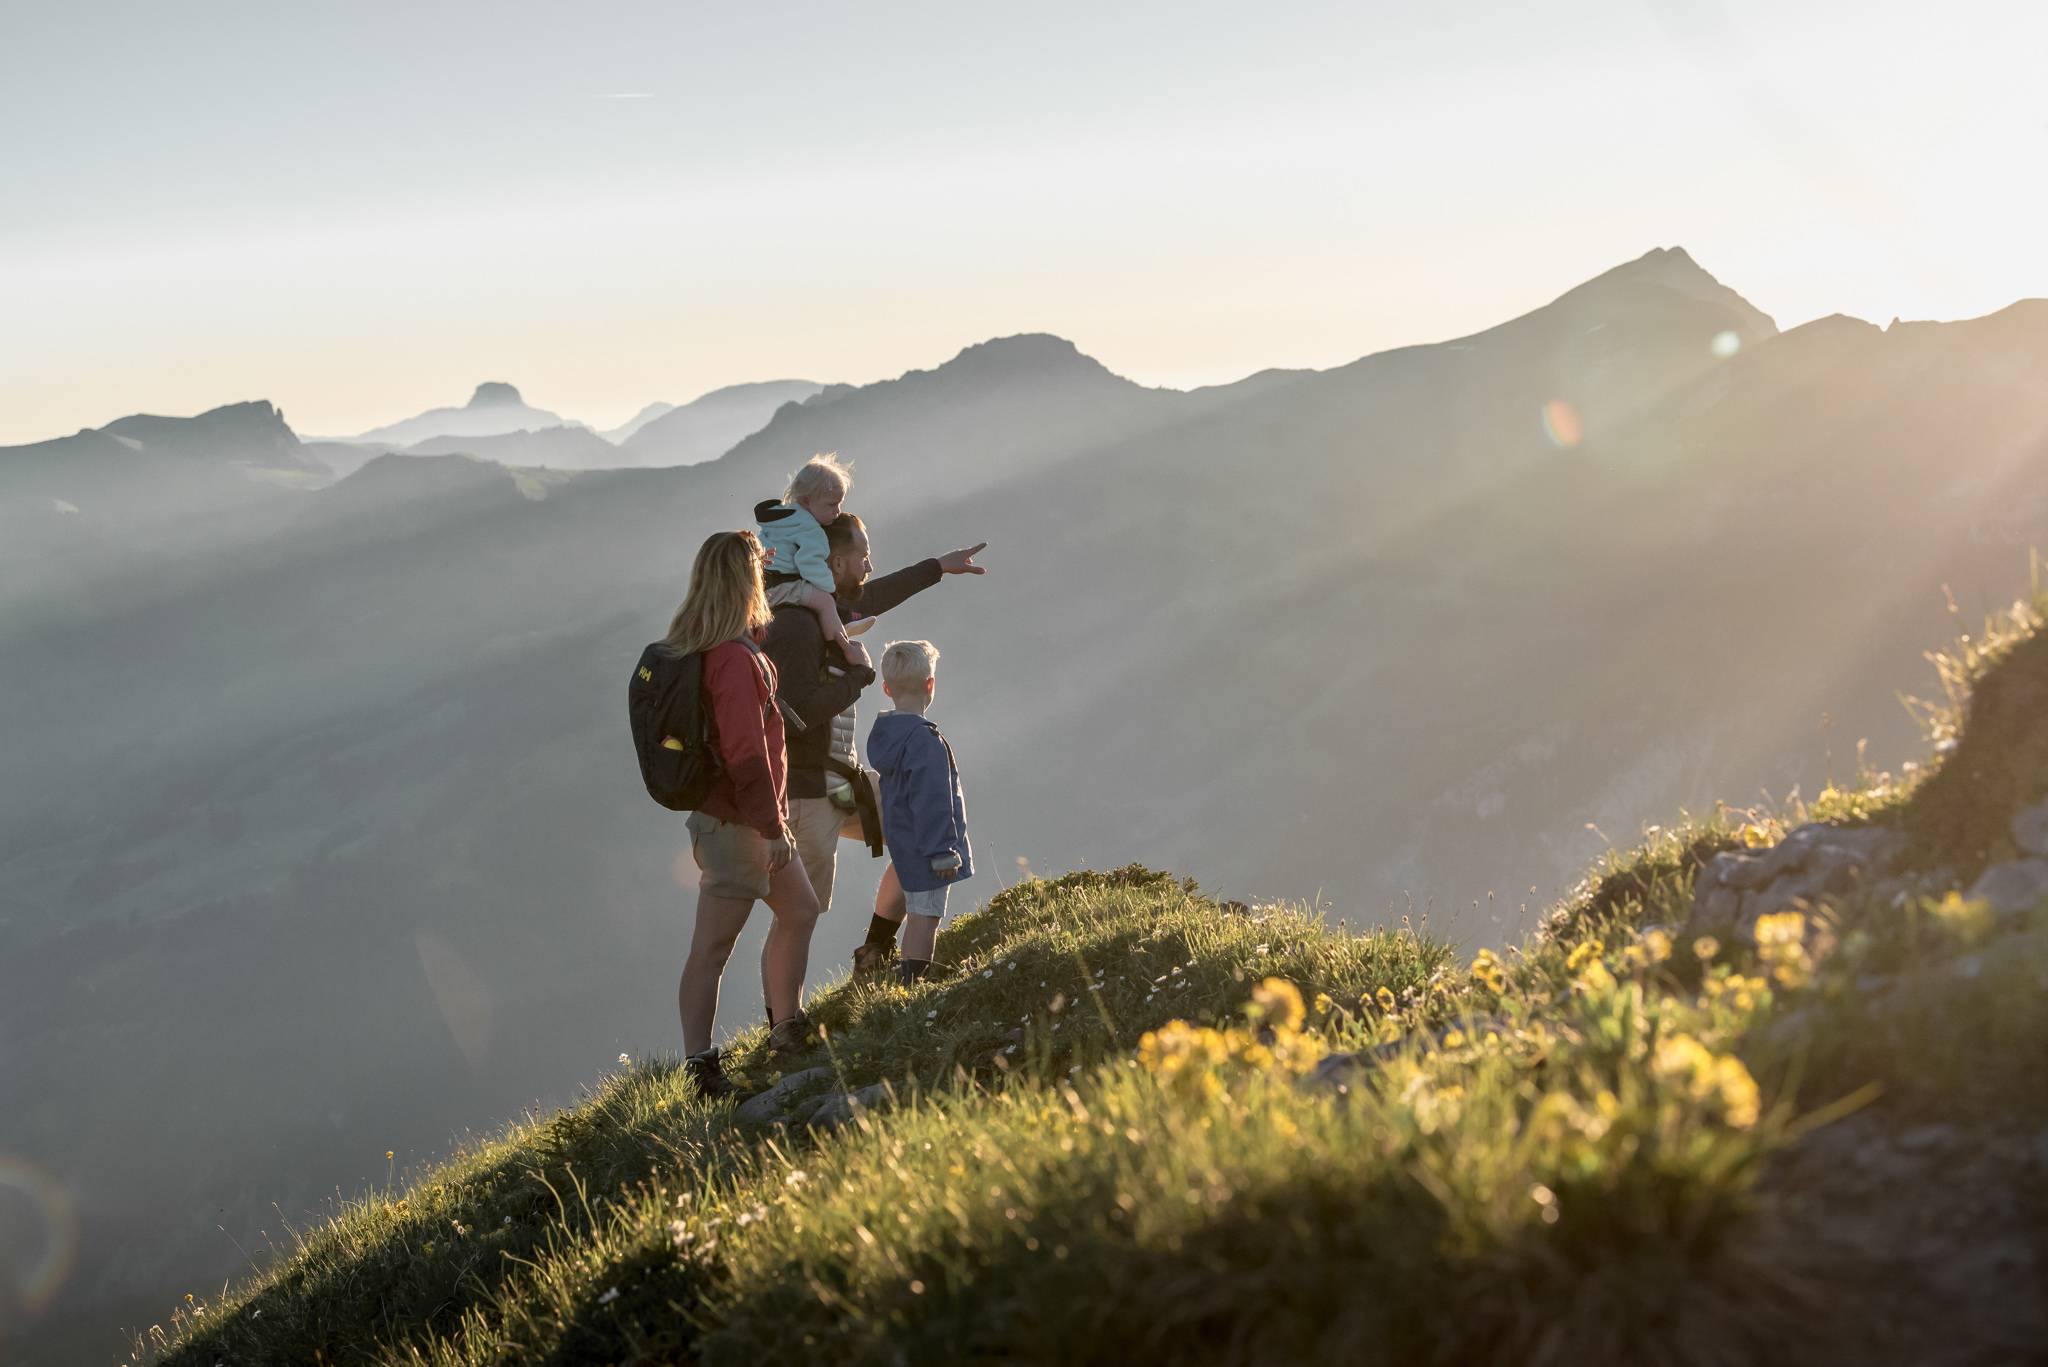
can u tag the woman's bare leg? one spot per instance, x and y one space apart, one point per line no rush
787 953
719 921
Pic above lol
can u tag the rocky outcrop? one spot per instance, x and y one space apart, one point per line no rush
796 1101
771 1106
1816 862
841 1107
2012 888
1337 1072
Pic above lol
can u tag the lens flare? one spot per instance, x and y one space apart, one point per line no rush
1561 424
1725 344
49 1251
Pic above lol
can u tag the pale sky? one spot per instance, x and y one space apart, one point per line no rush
361 210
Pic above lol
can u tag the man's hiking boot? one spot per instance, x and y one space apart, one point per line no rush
791 1036
707 1075
869 960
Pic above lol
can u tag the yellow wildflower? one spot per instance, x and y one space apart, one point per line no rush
1780 928
1323 1005
1706 1076
1596 978
1385 998
1966 917
1657 945
1737 1090
1683 1060
1277 1002
1581 952
1184 1056
1781 943
1488 972
1705 948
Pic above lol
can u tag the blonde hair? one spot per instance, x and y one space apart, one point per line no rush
725 600
819 473
907 664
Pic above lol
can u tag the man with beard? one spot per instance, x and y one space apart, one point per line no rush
822 688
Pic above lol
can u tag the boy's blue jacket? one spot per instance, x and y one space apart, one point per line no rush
924 815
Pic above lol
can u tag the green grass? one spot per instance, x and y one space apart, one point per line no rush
1102 1147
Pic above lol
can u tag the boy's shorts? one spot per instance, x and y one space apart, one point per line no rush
931 903
733 858
793 592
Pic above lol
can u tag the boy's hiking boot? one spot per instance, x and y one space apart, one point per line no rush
707 1075
869 960
791 1036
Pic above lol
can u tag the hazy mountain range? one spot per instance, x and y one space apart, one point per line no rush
499 425
321 834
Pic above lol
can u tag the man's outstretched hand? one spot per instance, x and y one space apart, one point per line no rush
962 562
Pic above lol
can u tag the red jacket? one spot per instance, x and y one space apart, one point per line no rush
739 687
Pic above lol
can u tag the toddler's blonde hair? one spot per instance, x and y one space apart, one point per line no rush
907 664
820 473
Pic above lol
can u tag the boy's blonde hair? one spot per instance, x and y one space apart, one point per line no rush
819 473
907 664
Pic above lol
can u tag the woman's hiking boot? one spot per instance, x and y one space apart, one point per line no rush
791 1036
707 1075
871 959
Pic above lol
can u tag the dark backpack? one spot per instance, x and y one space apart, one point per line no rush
672 729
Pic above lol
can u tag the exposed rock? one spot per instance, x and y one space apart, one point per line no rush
2030 830
1936 1220
2013 888
1337 1072
770 1105
1929 1138
1737 887
840 1107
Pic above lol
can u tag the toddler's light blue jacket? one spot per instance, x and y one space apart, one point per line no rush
795 543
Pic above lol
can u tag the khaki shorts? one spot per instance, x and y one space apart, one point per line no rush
815 822
796 591
732 858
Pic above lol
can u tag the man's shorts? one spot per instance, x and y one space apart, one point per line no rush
931 903
732 857
815 822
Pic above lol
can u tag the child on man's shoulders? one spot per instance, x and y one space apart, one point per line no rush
799 566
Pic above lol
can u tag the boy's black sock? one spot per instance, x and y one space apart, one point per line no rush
883 932
912 969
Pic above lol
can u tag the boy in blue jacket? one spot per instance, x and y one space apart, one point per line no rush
924 815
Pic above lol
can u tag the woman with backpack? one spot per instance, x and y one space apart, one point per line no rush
739 834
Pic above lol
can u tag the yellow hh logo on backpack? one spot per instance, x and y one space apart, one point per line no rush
646 674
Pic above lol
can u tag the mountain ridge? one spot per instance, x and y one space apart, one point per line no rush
1332 625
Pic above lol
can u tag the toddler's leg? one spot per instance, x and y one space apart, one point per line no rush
827 612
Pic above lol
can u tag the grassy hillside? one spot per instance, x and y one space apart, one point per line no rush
1134 1124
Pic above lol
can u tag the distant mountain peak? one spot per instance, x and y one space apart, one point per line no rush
1673 268
1039 352
494 394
